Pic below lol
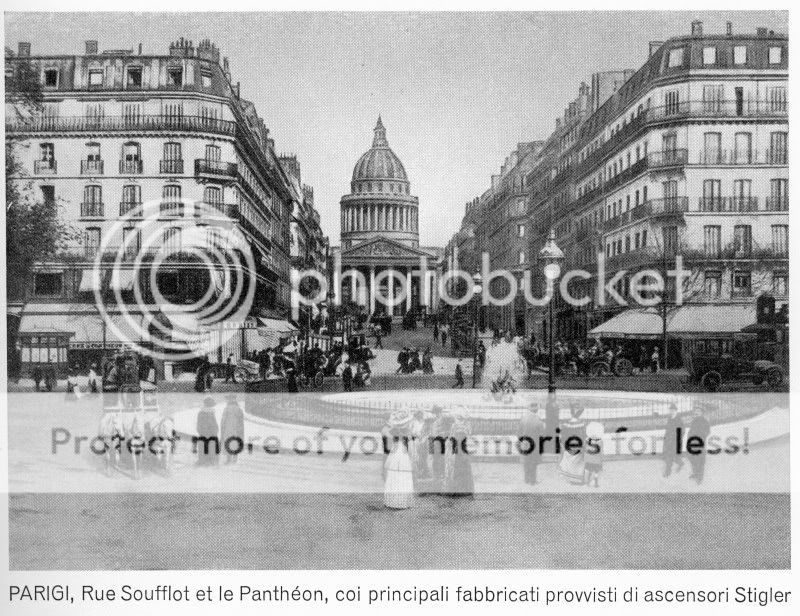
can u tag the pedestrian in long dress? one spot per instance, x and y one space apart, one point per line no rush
459 376
593 453
438 438
696 446
671 449
207 442
571 465
531 428
398 488
459 481
232 430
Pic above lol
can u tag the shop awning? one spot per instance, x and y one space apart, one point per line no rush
90 280
90 331
689 320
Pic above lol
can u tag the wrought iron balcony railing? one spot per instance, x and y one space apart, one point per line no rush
45 167
130 167
92 209
91 167
215 169
171 166
143 122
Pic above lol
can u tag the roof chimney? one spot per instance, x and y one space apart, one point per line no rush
697 28
24 50
91 48
140 49
761 32
729 28
654 45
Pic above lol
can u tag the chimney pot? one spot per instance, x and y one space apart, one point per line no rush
697 28
140 49
91 48
729 28
24 50
761 32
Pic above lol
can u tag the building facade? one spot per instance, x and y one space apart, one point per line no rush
380 237
119 131
685 156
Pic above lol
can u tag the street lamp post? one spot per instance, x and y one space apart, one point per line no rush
551 257
476 290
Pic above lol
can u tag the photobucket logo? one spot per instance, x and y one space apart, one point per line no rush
181 275
457 287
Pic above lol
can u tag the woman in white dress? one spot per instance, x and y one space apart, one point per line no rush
398 488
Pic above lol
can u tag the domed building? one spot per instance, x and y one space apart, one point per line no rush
380 235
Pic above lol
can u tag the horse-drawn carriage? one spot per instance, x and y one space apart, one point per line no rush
132 426
578 363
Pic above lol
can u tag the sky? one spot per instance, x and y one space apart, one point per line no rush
457 91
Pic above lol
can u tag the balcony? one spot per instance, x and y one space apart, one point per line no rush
171 166
776 204
131 209
215 169
628 174
44 167
145 122
667 207
172 209
91 167
130 167
746 157
668 158
230 210
92 210
727 204
718 109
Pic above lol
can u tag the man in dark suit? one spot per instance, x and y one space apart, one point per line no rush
696 445
673 446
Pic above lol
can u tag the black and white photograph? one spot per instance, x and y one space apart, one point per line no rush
396 291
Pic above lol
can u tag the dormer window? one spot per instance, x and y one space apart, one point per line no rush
95 78
675 57
775 55
206 77
740 55
175 76
135 77
51 78
709 56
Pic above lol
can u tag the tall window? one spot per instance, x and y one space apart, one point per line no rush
712 196
213 153
742 152
776 99
172 239
741 283
778 194
712 284
780 284
91 241
670 191
742 200
131 113
671 103
47 159
712 98
212 195
131 200
712 240
777 148
669 142
742 241
171 204
92 205
131 242
740 55
670 240
780 240
712 148
134 77
131 161
95 112
173 158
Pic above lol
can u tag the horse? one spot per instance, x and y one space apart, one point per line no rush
120 427
162 437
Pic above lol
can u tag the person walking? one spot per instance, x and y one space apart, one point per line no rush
671 449
593 453
531 428
459 481
398 487
444 337
229 369
696 446
436 332
207 441
572 461
438 439
347 377
459 376
378 337
202 381
654 360
232 430
92 380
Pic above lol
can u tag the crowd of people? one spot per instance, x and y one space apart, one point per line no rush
410 360
424 455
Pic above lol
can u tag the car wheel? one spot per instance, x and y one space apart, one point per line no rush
624 367
711 380
774 377
599 369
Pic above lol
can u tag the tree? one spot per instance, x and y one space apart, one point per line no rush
33 229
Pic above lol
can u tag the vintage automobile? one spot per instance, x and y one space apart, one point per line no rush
711 369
